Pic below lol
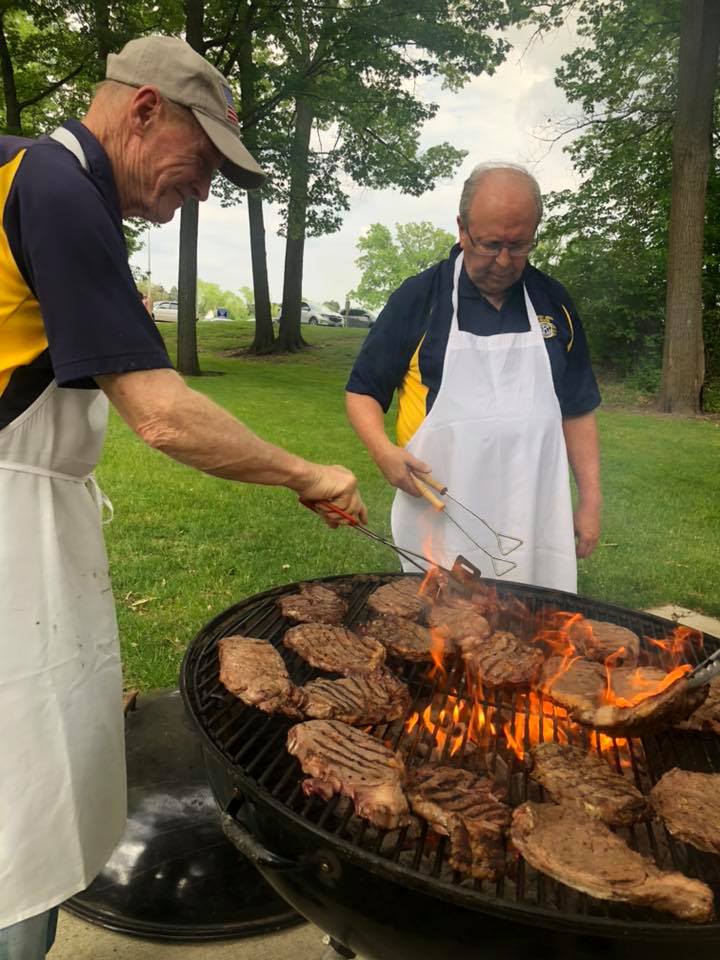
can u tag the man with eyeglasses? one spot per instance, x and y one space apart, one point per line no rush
496 395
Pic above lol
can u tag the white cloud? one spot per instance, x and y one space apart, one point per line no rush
493 117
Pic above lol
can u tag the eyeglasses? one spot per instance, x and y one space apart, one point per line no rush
515 250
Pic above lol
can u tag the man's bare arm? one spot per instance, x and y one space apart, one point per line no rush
187 426
368 420
583 447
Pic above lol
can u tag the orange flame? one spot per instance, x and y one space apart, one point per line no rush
645 687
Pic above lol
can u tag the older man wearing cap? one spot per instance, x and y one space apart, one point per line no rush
73 334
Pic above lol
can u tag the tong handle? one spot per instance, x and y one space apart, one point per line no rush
424 490
704 671
316 505
430 480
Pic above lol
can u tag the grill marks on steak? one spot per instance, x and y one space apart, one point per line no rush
254 671
707 715
689 805
582 690
460 623
341 759
581 852
502 660
313 604
403 638
574 776
462 806
598 640
335 649
399 598
371 698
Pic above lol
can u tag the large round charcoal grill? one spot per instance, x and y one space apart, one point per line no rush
392 895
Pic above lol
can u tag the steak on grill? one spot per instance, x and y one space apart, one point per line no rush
462 806
367 698
399 598
598 640
582 690
333 648
707 715
254 671
502 660
459 622
313 604
571 846
574 776
403 638
341 759
689 806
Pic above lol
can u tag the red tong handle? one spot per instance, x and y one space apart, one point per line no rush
331 508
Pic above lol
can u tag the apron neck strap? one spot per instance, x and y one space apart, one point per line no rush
454 325
68 139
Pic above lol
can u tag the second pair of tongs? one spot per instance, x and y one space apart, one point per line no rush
429 488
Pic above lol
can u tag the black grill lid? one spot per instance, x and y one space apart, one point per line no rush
174 875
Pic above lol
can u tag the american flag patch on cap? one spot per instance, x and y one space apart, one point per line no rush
231 115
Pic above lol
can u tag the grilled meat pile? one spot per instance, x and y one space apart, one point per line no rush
314 604
502 660
574 776
399 598
459 622
401 637
580 851
689 806
341 759
255 672
335 649
463 807
599 640
363 699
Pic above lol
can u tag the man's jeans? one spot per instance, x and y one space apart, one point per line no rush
30 939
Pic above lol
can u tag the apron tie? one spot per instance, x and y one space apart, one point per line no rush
102 501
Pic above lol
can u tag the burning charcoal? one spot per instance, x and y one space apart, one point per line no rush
313 604
569 845
689 805
599 640
333 648
399 598
572 775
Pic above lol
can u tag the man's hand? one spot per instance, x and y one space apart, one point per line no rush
397 464
587 528
335 485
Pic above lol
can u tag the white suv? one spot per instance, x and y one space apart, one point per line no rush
312 313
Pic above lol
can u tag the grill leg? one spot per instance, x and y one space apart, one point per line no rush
335 950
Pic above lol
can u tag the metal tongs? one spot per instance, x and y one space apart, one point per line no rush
704 672
428 487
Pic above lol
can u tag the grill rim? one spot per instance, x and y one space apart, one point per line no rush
480 902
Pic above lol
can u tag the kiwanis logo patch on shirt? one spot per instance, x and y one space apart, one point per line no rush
547 325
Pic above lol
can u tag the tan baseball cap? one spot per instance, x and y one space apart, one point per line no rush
185 77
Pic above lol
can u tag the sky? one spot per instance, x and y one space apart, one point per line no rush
499 117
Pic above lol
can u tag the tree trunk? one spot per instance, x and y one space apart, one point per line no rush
187 355
264 334
102 33
290 338
683 352
13 123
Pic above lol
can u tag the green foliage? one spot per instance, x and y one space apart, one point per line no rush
210 297
385 262
608 239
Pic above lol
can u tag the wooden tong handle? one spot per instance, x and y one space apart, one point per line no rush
424 490
430 480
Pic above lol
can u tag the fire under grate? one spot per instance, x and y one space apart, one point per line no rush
253 745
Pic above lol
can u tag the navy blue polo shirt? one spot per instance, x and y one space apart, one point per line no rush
405 349
70 308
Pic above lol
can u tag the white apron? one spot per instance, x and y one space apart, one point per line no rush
62 758
494 436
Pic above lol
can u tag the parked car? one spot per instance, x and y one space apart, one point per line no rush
165 311
359 317
316 315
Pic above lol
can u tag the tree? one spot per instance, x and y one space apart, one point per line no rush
385 262
683 353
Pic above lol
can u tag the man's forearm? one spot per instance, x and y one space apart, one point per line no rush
583 448
368 421
190 428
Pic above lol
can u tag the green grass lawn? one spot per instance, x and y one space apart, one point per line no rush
184 546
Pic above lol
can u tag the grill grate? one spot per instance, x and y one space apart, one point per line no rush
254 745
